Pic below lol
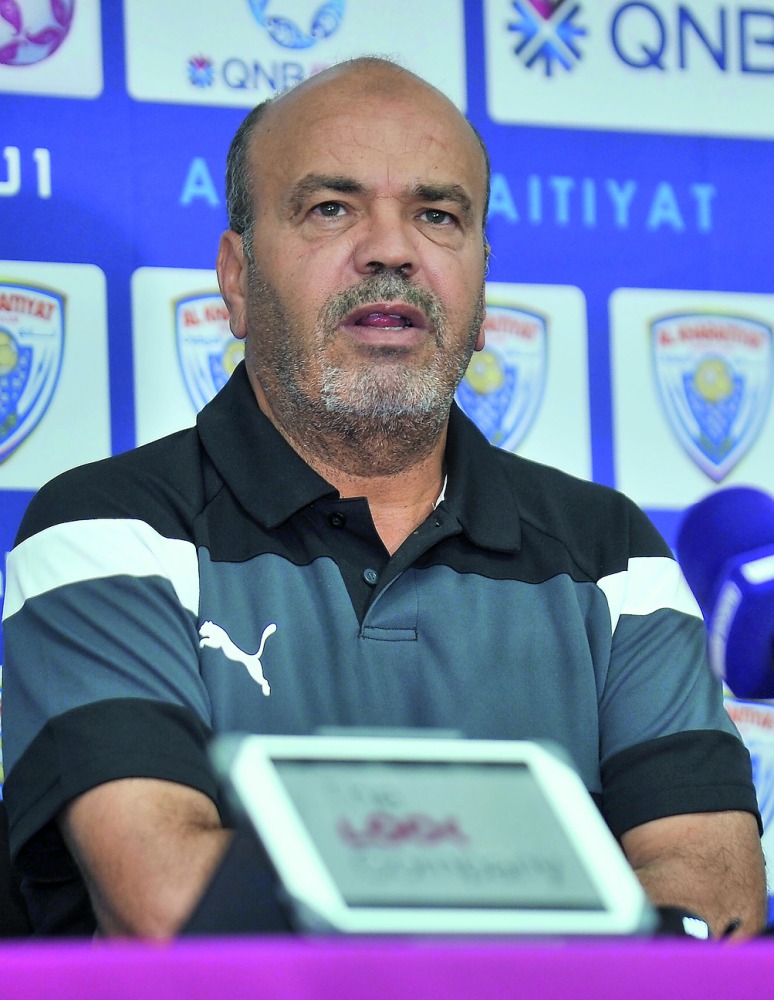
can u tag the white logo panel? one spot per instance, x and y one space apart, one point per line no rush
528 389
54 386
51 47
239 52
183 347
659 66
692 393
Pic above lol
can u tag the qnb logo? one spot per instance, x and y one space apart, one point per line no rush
32 30
326 21
683 37
547 33
384 829
201 72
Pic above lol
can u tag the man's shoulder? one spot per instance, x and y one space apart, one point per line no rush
589 517
534 480
159 482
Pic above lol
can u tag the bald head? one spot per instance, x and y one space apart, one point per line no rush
364 78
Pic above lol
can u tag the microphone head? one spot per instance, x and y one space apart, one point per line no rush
721 527
725 546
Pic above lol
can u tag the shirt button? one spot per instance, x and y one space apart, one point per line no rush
337 519
370 576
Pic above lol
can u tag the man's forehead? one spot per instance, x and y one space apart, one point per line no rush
361 78
319 127
352 101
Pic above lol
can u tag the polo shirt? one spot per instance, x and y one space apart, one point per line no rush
211 581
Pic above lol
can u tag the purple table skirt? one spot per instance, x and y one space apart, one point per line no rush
410 970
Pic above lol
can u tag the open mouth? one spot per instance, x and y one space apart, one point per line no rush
379 319
390 316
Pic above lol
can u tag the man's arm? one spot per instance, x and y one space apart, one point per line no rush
146 849
709 863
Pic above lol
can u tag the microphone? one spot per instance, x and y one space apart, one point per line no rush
725 546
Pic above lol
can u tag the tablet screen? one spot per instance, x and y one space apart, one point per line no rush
434 835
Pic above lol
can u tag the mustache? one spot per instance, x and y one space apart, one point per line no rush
383 287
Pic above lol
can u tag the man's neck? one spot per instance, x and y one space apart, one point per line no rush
399 503
402 485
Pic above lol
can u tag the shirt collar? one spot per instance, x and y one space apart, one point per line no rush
268 478
272 482
480 493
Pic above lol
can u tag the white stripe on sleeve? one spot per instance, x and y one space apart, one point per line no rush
649 584
92 550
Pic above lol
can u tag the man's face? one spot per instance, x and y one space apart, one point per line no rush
365 294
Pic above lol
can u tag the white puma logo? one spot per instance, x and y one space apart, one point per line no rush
218 638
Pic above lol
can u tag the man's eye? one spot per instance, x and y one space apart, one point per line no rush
437 217
329 209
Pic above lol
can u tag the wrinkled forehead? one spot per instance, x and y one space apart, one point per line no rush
339 122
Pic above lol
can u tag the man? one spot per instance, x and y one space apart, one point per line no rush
335 544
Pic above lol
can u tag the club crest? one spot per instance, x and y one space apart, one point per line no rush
206 348
503 386
714 376
32 327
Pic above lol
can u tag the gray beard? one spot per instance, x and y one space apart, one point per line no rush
368 420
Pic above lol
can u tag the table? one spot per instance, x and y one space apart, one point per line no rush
308 969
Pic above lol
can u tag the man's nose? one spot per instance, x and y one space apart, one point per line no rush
386 240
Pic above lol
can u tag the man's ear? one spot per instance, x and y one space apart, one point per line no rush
232 268
481 338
